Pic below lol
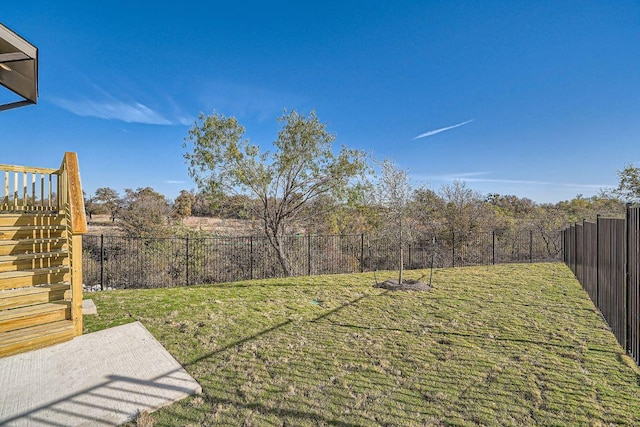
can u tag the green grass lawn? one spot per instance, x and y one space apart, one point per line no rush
505 345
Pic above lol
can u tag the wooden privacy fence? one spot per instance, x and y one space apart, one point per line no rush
604 256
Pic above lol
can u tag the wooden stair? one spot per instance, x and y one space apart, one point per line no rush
35 337
42 220
35 290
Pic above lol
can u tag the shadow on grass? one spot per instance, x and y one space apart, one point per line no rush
272 283
467 335
276 328
259 407
102 393
559 307
238 342
280 412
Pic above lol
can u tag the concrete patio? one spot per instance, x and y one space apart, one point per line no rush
105 378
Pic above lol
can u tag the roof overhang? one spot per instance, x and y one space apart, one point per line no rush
18 68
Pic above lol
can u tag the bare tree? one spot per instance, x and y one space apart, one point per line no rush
394 193
463 210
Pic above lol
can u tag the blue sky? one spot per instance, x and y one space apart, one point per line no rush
549 91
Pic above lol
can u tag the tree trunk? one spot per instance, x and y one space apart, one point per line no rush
401 266
284 261
276 243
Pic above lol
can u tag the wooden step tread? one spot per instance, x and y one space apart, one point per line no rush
33 272
33 315
32 295
30 227
39 214
35 255
34 290
34 277
33 310
21 340
34 331
17 219
7 242
11 209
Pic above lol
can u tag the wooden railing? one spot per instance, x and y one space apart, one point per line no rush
71 204
31 190
28 189
70 193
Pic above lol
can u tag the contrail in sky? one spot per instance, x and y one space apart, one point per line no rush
433 132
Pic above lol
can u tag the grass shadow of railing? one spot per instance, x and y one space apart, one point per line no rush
264 409
275 328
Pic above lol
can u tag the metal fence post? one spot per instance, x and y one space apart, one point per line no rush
530 246
583 273
371 266
362 253
453 249
102 262
627 281
575 258
251 257
187 260
598 261
493 247
308 254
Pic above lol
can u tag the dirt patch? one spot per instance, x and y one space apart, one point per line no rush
102 224
221 227
406 285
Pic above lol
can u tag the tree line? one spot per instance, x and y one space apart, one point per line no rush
304 185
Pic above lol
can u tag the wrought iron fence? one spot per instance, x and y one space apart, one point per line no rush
116 262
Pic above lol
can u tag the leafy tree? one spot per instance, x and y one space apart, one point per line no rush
184 203
608 205
301 168
109 199
511 205
579 208
202 205
509 213
236 206
629 185
348 219
145 213
428 208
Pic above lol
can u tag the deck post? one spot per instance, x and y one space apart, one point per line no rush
76 283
